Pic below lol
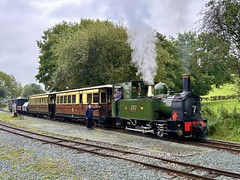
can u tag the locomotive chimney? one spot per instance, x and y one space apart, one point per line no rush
186 82
150 91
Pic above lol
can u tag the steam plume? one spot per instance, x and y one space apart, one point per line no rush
142 42
141 36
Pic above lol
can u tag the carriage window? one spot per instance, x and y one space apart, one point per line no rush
89 98
95 98
73 98
65 99
69 99
103 98
80 101
61 99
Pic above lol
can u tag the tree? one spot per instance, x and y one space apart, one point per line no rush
206 57
170 68
31 89
47 59
222 18
9 87
95 54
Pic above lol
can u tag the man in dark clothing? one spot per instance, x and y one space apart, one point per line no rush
117 98
89 116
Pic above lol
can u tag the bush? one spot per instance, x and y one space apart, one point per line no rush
223 123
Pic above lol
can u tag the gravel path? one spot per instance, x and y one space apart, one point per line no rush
22 158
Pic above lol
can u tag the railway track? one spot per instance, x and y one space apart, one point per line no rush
222 145
209 143
215 144
170 166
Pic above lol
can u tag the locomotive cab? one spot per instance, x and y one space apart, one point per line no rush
140 110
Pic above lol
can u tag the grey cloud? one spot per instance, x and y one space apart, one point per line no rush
20 25
86 9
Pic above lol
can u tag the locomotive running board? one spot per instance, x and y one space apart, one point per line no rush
140 130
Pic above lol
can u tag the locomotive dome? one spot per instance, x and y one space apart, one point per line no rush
160 89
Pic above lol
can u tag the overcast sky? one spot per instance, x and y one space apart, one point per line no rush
23 22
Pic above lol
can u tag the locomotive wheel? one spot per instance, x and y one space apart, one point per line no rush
129 125
160 133
180 132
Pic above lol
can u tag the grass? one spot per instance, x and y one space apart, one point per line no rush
7 117
227 89
228 104
223 115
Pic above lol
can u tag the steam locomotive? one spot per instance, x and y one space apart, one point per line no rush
160 113
148 109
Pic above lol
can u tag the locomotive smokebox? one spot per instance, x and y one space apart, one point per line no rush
186 82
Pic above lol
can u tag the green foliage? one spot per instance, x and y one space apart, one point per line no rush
226 89
223 119
9 87
31 89
222 18
169 65
47 62
206 57
96 53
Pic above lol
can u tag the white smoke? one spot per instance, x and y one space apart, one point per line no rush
142 42
141 36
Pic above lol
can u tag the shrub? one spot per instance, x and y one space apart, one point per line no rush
223 123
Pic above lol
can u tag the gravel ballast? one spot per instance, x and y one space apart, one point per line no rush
22 158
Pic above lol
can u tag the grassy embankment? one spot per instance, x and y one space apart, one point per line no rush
223 115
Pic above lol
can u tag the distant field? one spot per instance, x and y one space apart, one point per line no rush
227 89
227 104
230 104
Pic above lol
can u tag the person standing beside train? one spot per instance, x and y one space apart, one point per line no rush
89 116
117 98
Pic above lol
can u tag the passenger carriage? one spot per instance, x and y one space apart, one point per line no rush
71 104
38 105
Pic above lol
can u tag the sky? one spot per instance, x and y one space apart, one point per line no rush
24 21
